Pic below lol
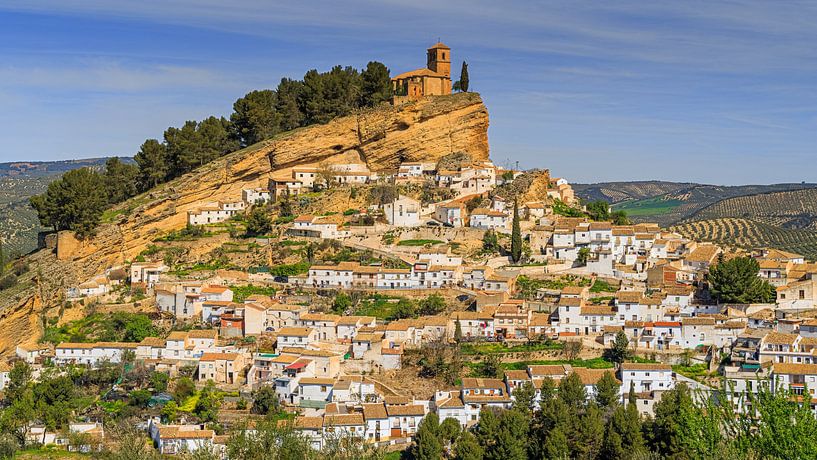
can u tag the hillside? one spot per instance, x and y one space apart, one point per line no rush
747 233
668 203
382 137
792 209
617 192
19 181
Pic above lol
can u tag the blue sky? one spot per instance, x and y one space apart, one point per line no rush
716 92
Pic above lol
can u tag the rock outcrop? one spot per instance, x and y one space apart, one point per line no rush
382 137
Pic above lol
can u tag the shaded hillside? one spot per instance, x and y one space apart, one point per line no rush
747 233
616 192
791 209
19 181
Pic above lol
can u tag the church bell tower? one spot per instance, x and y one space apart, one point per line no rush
439 59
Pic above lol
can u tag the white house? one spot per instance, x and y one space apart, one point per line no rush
146 272
488 219
255 195
646 377
402 212
298 337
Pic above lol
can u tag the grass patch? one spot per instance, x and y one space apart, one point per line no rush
242 292
698 372
190 403
602 286
593 363
490 348
290 269
378 305
419 242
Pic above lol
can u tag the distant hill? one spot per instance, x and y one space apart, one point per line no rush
668 203
747 233
796 209
20 180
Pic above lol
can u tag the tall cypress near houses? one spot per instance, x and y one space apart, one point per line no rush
516 235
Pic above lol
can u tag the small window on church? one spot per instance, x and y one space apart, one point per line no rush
443 56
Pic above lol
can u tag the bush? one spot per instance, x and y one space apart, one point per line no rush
7 282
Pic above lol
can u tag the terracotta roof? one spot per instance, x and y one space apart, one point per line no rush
795 368
469 382
516 375
697 321
219 356
598 311
392 400
591 376
343 420
316 381
548 369
295 331
401 410
202 333
308 423
778 338
374 411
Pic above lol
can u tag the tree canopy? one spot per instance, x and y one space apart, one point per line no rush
736 281
74 202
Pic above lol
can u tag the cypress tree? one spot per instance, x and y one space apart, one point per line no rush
464 77
516 234
457 331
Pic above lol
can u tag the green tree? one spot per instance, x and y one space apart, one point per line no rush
619 351
376 84
154 164
342 303
159 381
185 388
449 430
516 234
265 400
140 398
490 242
572 391
74 202
599 210
431 305
427 440
492 366
289 92
208 404
258 221
736 281
464 77
589 434
468 447
582 256
255 117
524 397
458 331
170 411
619 218
121 180
511 439
607 389
404 309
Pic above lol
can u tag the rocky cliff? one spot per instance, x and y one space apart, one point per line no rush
382 137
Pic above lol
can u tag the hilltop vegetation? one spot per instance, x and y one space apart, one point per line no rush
19 181
77 201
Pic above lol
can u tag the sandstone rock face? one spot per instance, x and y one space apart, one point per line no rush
382 137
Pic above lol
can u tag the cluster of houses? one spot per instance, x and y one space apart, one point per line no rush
466 183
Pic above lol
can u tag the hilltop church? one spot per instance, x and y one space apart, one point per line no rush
434 80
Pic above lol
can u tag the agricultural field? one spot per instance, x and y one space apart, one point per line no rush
648 207
792 209
747 233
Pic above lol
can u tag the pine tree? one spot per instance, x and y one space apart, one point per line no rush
607 390
376 84
620 351
572 391
427 441
464 77
468 447
516 234
154 164
524 397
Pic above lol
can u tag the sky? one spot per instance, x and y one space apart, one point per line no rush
721 92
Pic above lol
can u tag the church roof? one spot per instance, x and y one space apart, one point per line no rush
440 45
419 73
